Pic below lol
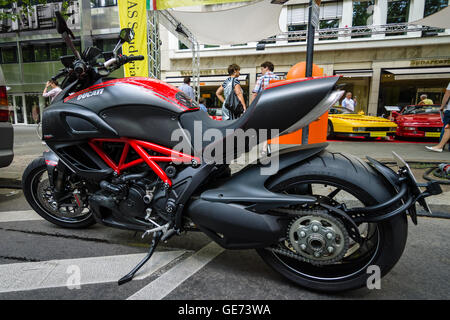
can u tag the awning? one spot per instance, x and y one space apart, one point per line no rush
208 80
440 19
354 73
419 70
420 73
248 23
422 76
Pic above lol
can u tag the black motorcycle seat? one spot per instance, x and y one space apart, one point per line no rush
189 119
278 107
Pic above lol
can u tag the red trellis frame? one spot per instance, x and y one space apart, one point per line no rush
140 146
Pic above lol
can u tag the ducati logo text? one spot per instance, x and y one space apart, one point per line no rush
90 94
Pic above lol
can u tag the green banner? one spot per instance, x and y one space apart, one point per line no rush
167 4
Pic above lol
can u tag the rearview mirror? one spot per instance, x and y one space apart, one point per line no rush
66 33
61 25
126 35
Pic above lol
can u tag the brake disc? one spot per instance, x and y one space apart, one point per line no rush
45 196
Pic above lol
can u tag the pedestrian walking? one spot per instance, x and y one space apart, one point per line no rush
187 89
348 102
445 134
229 90
424 100
55 90
267 69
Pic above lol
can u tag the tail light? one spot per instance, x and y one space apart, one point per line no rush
4 109
3 96
4 115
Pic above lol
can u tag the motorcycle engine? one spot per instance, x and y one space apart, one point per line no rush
133 205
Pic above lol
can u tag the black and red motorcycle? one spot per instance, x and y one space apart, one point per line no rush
320 220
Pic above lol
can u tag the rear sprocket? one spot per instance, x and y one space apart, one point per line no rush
314 237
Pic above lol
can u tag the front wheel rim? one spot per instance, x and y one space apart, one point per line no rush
38 200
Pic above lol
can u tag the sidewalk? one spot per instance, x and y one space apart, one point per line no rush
411 152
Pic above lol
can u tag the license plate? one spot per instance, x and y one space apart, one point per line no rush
378 134
433 134
402 164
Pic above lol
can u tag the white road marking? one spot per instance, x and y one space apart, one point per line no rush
167 282
55 273
12 216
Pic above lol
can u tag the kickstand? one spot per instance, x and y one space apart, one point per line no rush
130 275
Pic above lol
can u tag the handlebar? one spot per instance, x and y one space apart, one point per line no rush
79 67
122 60
87 70
110 62
135 58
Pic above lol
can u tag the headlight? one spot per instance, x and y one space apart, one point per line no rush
360 129
409 128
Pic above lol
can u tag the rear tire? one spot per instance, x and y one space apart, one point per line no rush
336 169
29 186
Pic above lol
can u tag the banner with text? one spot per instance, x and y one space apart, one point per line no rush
167 4
132 14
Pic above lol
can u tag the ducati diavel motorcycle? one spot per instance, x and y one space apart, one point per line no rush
321 220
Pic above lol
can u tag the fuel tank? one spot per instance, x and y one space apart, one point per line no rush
140 108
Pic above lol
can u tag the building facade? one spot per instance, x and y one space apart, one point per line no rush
380 68
30 49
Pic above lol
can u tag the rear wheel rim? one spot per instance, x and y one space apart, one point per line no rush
329 130
43 196
351 265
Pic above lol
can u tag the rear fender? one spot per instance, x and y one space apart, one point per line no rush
248 186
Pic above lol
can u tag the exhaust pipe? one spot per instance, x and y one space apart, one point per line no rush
234 227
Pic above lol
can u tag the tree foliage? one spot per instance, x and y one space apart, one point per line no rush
25 8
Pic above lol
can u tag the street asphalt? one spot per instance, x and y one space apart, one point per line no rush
38 260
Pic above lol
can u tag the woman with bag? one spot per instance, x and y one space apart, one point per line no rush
231 95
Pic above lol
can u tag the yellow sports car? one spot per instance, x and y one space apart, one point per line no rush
344 122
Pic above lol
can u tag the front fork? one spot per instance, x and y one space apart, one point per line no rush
56 171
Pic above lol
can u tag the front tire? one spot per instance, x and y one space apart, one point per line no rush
33 183
359 180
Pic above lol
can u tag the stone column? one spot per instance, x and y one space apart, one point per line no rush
283 24
379 15
347 18
416 10
86 24
447 31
